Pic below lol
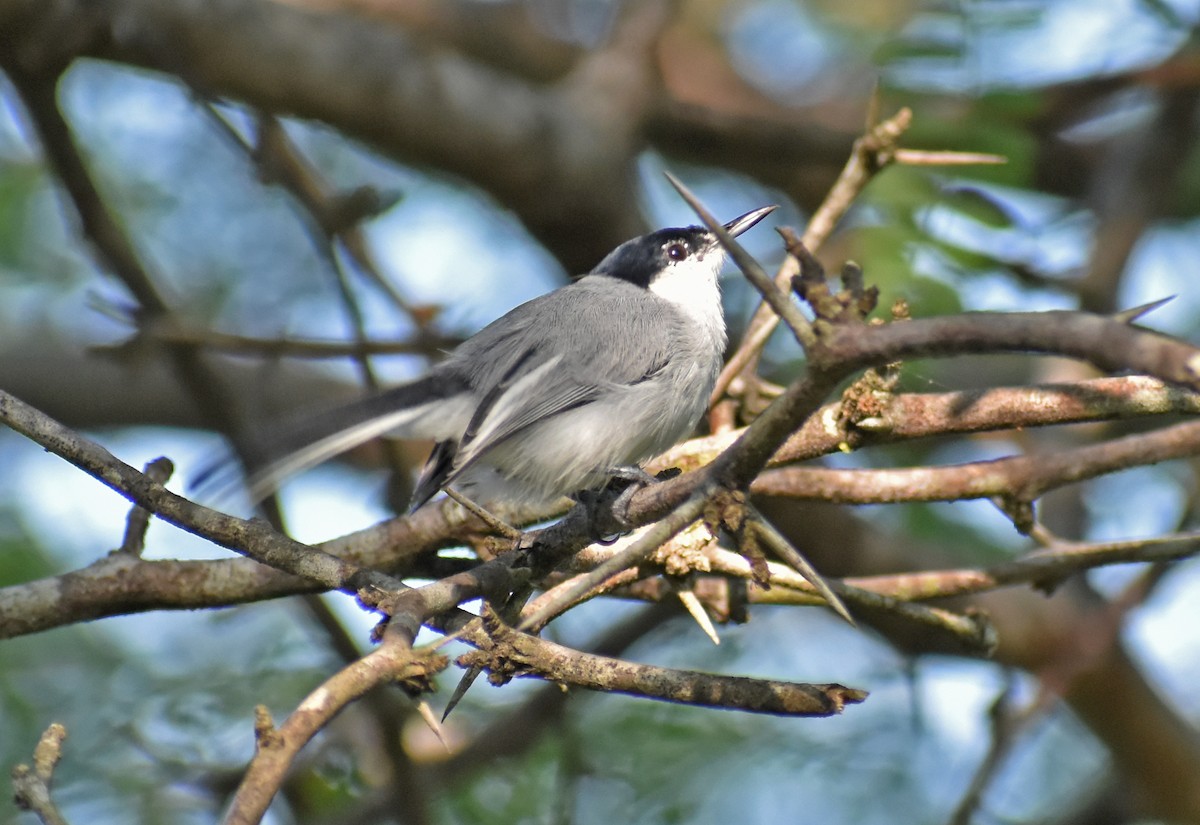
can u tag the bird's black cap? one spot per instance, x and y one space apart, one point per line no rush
641 259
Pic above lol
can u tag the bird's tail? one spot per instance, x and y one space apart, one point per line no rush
425 408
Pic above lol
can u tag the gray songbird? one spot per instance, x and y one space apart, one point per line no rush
562 393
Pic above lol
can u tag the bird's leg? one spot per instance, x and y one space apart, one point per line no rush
635 475
592 501
635 479
623 482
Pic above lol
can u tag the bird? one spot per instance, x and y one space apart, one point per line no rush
561 394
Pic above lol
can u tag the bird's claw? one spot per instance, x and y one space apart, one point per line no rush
634 479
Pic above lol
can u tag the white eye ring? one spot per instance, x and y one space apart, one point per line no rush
677 251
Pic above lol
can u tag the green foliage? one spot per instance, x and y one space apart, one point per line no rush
147 729
20 185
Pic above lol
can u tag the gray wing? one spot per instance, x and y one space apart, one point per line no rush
557 353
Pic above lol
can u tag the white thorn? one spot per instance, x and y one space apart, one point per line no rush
431 719
697 611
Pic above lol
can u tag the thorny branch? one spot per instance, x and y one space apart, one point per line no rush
884 418
872 152
114 585
1147 351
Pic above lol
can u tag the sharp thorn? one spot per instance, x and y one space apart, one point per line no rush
1128 316
790 555
697 612
460 690
431 719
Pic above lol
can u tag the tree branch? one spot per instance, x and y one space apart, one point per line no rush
1020 478
887 418
394 661
506 653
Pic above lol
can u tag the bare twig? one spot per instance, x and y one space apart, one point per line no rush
277 748
251 538
31 786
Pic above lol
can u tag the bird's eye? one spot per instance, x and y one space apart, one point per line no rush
677 250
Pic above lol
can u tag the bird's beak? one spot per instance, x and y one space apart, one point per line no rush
739 225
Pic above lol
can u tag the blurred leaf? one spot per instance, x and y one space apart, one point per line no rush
20 184
1186 186
885 253
903 189
961 261
1165 13
898 51
978 204
24 561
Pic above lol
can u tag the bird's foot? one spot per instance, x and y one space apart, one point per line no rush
614 499
628 480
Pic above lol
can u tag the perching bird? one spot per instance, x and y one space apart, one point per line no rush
562 393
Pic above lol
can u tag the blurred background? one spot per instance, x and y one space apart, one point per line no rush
384 170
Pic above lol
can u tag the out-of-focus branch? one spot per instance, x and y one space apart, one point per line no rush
423 343
37 88
1121 199
562 156
505 36
336 217
333 223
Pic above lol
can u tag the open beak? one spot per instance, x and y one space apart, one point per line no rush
739 225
